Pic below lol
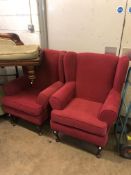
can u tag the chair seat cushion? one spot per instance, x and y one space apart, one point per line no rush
21 52
25 101
81 114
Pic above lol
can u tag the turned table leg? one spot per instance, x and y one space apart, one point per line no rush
31 73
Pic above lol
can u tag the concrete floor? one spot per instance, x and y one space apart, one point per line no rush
23 152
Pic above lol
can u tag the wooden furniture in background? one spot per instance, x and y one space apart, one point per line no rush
11 36
29 63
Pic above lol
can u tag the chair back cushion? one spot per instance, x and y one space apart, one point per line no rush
50 68
94 74
70 63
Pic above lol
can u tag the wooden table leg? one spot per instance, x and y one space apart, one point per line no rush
31 73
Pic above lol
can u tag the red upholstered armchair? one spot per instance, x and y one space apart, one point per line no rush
87 105
30 102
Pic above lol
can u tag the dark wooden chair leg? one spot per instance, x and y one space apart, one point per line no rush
40 130
98 154
57 138
12 119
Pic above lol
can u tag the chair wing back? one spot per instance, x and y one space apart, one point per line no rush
70 66
94 74
121 73
50 69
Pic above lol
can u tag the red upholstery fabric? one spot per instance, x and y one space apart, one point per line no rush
76 133
38 120
27 102
49 70
99 71
92 109
81 114
60 67
15 86
62 97
70 66
110 108
120 73
44 95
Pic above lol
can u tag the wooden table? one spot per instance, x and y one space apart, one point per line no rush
29 63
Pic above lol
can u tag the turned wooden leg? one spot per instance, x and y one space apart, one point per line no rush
98 154
12 119
40 130
31 73
57 138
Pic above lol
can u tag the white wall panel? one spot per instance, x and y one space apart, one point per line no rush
16 23
14 7
17 7
126 43
34 6
84 25
30 38
15 17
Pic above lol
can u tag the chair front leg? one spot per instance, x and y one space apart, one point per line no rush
12 119
56 134
98 154
40 130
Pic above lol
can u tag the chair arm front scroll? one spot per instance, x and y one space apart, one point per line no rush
43 97
63 96
110 108
16 85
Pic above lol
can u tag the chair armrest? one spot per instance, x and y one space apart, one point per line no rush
16 85
110 109
63 96
43 97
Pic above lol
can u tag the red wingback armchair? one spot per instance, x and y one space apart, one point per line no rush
87 105
30 102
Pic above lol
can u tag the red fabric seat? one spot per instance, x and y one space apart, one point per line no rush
25 101
87 105
30 102
81 114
